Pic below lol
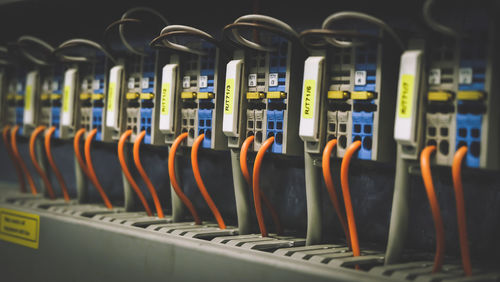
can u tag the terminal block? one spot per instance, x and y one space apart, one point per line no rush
353 99
460 95
268 97
193 83
139 98
92 97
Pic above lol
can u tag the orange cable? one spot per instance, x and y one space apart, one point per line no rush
344 182
327 152
425 168
15 151
91 171
48 151
201 185
256 184
456 170
78 153
126 171
40 171
142 172
19 172
173 178
246 174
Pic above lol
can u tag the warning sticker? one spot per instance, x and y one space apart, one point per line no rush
19 227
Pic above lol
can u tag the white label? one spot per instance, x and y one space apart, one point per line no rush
203 81
465 76
406 122
131 83
55 85
311 89
29 97
68 98
252 80
434 76
273 79
167 103
360 78
113 98
231 98
145 82
96 84
19 87
186 81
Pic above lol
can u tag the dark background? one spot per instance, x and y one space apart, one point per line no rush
282 178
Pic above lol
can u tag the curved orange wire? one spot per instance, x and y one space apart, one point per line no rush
173 178
344 182
246 174
19 172
48 151
327 175
40 171
126 171
142 172
256 184
91 171
201 185
425 167
15 151
456 170
78 153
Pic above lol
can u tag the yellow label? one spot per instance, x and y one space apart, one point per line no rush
406 95
27 101
165 98
66 99
111 96
19 227
308 98
229 93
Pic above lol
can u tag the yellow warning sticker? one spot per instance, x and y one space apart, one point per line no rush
308 98
111 96
66 98
229 93
165 98
406 95
29 93
19 227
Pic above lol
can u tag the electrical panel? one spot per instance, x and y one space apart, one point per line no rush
461 95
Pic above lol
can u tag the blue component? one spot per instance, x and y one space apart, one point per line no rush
97 122
473 55
469 134
56 116
274 127
277 62
366 60
19 115
205 126
146 122
207 66
362 129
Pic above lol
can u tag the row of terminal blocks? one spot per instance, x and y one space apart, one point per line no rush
357 93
